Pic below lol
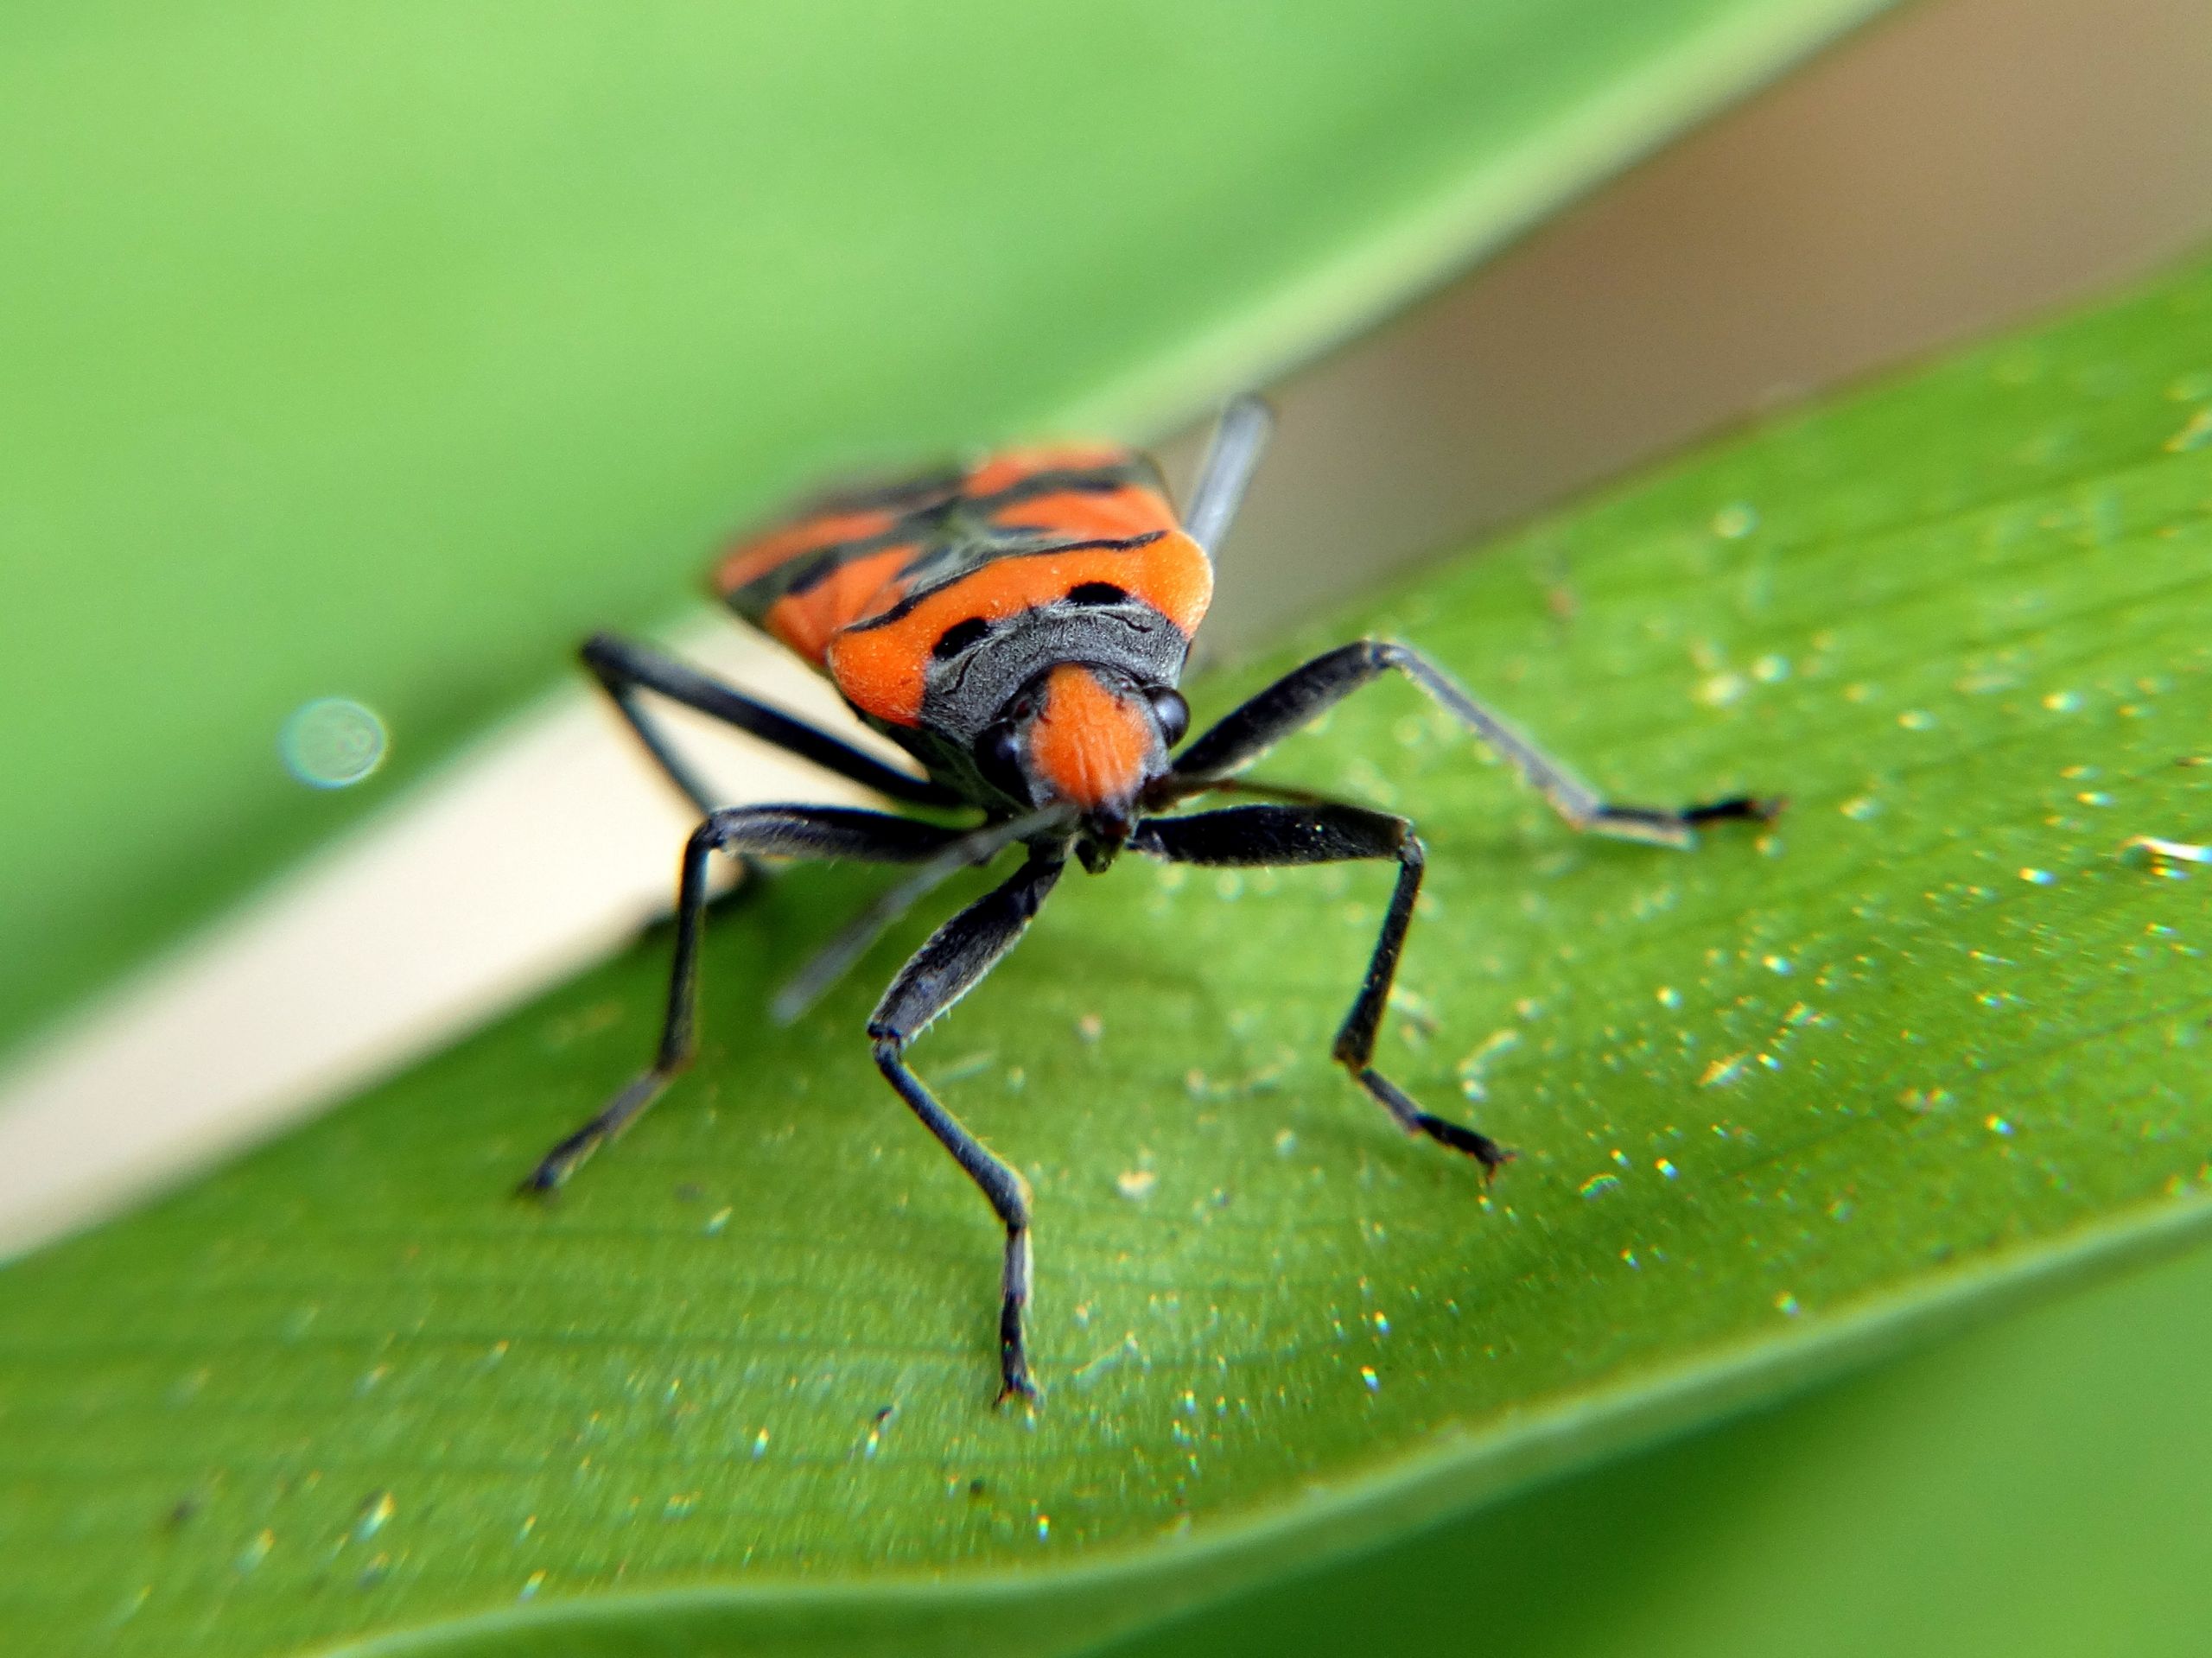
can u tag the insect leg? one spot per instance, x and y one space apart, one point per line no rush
1304 694
625 669
978 846
942 971
1231 458
781 831
1310 835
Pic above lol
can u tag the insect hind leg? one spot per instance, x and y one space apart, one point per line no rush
1330 833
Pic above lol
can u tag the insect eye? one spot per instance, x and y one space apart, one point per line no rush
998 758
1170 710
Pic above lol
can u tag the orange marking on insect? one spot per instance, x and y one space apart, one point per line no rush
1088 742
807 621
883 671
757 557
1005 471
1091 515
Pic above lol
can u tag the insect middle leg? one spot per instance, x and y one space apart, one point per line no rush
1330 833
780 831
942 971
1303 695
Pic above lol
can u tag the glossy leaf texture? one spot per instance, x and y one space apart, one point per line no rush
380 352
1933 1040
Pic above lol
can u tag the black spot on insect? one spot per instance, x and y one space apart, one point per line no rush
1095 592
958 637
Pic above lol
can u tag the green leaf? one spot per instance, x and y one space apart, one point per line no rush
1794 1099
384 351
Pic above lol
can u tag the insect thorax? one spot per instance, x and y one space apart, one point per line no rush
971 690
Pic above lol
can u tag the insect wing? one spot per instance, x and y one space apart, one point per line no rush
864 584
805 579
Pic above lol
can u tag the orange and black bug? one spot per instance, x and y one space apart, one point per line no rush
1019 627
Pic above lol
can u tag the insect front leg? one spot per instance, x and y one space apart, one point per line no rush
942 971
1303 695
1243 836
780 831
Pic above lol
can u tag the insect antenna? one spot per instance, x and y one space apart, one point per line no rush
805 987
1231 458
